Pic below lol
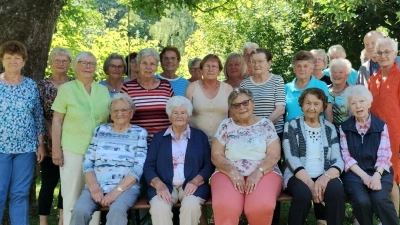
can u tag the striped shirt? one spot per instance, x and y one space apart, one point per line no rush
150 105
267 95
178 84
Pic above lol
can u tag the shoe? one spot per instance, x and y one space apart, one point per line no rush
322 222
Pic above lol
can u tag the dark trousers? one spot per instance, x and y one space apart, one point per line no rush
50 174
365 202
302 197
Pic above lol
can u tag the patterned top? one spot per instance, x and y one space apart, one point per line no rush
113 155
267 95
339 109
21 117
150 105
313 166
179 147
384 152
246 146
47 94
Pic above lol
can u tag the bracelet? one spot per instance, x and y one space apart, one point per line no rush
330 178
378 172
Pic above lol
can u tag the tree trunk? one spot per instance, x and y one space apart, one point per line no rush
31 22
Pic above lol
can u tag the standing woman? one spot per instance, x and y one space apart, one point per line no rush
235 69
385 90
209 97
114 66
320 62
133 67
268 89
60 60
21 132
80 106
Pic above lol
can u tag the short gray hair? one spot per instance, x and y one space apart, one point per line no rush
177 101
340 62
193 61
389 41
60 51
147 52
82 55
249 45
320 52
111 57
122 97
336 48
236 92
356 90
363 56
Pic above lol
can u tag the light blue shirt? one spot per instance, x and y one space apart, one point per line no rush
351 79
178 84
293 108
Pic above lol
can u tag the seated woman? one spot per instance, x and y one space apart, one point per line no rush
245 151
112 166
365 145
312 153
178 167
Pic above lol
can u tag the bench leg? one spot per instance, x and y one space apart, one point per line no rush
203 217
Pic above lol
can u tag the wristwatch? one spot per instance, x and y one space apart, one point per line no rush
119 189
261 170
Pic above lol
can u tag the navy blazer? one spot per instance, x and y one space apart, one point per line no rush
197 162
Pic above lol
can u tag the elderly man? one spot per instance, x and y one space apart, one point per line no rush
338 52
371 66
248 48
170 58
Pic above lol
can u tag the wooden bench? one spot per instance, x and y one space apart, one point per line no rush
142 203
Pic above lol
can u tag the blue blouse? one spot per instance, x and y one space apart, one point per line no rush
21 117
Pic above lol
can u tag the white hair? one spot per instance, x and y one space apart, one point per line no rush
336 48
356 90
250 45
122 97
177 101
61 52
82 55
363 56
389 41
320 52
340 62
147 52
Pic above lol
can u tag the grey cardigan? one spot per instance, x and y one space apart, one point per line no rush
295 147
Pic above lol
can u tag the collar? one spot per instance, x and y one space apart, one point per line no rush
292 87
185 134
366 126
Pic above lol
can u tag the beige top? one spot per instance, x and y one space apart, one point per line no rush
208 113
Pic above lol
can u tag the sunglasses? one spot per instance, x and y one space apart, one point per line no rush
244 103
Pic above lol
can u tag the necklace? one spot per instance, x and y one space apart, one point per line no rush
338 92
153 82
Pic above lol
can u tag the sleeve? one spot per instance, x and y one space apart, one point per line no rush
384 151
270 131
280 98
149 169
90 155
325 89
290 148
222 135
41 89
60 104
124 89
335 148
348 160
38 113
140 155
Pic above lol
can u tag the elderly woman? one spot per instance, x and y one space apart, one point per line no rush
338 52
149 94
113 165
312 153
235 69
178 167
80 106
133 69
267 88
365 146
21 132
194 69
114 66
247 49
209 97
340 71
385 89
303 64
245 151
320 62
59 61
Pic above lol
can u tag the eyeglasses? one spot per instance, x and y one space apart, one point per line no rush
84 63
211 67
145 64
386 53
62 62
244 103
117 67
169 58
195 69
123 111
259 62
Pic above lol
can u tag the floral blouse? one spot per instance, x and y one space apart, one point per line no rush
47 94
21 117
246 146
